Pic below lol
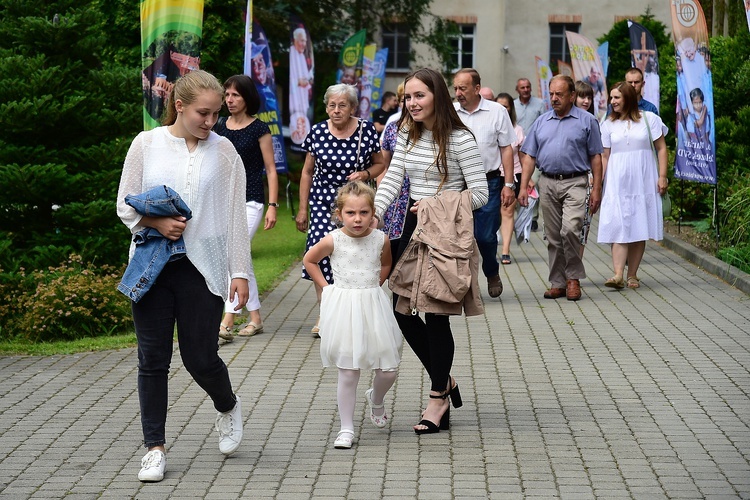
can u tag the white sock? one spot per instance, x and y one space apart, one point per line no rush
346 394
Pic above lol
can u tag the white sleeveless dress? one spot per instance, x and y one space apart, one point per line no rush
358 330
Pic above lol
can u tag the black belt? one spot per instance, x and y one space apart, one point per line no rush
560 177
494 174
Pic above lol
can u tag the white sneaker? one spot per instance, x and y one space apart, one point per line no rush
153 465
229 425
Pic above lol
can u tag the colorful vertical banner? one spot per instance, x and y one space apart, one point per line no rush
365 82
543 77
696 149
645 56
261 71
350 59
588 67
747 12
301 76
378 78
603 51
170 47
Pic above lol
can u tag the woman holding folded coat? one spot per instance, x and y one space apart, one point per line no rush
439 153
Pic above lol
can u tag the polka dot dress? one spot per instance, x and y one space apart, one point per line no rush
335 160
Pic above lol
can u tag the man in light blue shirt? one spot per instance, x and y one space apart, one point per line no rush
566 144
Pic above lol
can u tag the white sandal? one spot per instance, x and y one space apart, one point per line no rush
379 421
344 439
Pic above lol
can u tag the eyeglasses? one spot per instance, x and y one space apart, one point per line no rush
334 106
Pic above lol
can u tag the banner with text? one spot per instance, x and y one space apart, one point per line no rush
301 76
603 51
543 77
645 57
350 60
378 78
261 71
588 67
696 149
365 92
170 47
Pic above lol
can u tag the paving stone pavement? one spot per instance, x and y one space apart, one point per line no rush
623 394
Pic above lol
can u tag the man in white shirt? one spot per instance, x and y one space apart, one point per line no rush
493 130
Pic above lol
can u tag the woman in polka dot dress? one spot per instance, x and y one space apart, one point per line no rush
333 160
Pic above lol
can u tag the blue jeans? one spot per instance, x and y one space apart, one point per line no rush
180 295
486 224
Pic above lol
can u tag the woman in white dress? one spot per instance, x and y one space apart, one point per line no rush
634 183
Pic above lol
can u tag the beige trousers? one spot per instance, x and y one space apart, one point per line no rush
563 209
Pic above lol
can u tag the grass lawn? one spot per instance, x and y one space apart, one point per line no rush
274 252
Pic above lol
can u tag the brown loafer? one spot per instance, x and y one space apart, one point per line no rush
554 293
573 291
494 286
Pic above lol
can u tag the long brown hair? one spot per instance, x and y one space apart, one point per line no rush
446 118
630 109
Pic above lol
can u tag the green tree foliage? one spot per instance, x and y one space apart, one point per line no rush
66 118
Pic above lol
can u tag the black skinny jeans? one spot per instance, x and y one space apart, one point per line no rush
180 295
431 339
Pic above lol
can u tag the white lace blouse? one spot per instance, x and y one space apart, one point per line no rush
211 181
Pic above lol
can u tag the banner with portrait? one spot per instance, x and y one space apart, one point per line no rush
645 56
261 71
543 77
365 82
587 67
350 60
301 77
170 47
696 147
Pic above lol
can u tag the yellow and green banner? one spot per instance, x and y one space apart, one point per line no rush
350 59
171 33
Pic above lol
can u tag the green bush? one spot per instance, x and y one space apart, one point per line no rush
68 302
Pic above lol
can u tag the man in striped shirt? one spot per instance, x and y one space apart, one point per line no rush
493 130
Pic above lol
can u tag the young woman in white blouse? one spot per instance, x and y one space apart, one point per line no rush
207 173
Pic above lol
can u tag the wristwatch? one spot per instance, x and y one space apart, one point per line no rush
511 185
273 205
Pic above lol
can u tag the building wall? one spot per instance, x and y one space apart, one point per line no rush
523 27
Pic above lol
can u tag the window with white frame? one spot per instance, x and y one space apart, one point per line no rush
462 46
396 40
558 42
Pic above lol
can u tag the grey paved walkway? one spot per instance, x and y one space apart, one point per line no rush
624 394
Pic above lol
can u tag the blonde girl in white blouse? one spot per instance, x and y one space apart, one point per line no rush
207 173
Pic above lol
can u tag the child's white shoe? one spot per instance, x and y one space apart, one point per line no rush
344 439
379 421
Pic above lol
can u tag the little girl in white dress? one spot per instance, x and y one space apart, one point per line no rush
357 327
